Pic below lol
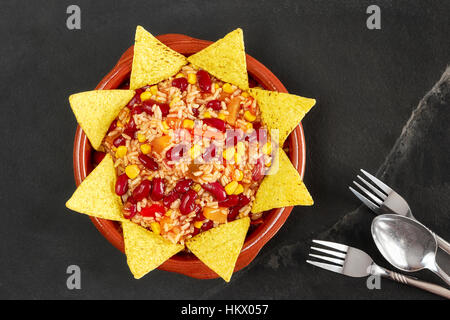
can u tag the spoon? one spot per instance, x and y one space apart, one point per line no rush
406 244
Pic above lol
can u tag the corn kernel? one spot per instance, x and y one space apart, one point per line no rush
231 187
198 224
240 147
192 78
245 94
228 154
238 158
119 124
239 189
269 164
238 175
195 151
196 187
179 75
150 178
132 171
146 95
249 126
222 116
207 115
228 88
121 151
165 127
146 148
169 213
174 101
154 90
188 124
156 227
216 86
250 117
267 148
141 137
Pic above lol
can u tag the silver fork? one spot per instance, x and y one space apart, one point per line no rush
384 200
356 263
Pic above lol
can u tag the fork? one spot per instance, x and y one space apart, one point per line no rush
353 262
384 200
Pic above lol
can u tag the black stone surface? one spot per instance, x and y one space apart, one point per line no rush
367 83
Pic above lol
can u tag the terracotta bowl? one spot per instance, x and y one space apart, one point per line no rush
184 263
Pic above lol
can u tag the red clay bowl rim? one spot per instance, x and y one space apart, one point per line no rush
189 265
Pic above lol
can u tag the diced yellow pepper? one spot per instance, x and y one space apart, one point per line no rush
195 151
179 75
239 189
221 116
188 124
228 88
146 95
154 90
141 137
196 187
231 187
198 224
146 148
228 154
267 148
156 227
250 117
192 78
206 115
132 171
121 151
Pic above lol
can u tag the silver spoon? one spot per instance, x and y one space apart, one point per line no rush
406 244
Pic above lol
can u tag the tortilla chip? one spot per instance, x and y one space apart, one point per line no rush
281 111
225 59
219 247
145 250
282 187
96 195
153 61
96 110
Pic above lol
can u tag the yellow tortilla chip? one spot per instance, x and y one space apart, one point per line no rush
225 59
153 61
96 110
145 250
281 111
96 195
282 187
219 247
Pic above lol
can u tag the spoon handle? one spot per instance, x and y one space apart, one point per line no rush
441 273
427 286
444 245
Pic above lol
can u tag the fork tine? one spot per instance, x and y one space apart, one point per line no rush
333 245
377 192
372 206
326 266
337 261
367 192
378 182
330 252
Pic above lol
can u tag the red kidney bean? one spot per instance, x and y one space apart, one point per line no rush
216 189
215 123
183 186
258 170
195 111
214 104
210 153
147 106
136 110
119 141
188 202
148 162
180 83
170 198
204 81
152 210
165 109
122 184
130 128
176 153
135 100
243 201
198 210
112 126
129 210
231 201
158 189
207 225
232 213
142 190
98 157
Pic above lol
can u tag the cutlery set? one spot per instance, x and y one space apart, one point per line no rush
403 241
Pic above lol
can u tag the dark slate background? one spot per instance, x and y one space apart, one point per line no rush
367 83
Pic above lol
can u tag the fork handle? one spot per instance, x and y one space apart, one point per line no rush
427 286
444 245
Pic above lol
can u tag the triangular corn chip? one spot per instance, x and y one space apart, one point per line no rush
219 247
282 187
281 111
96 110
96 195
225 59
153 61
145 250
